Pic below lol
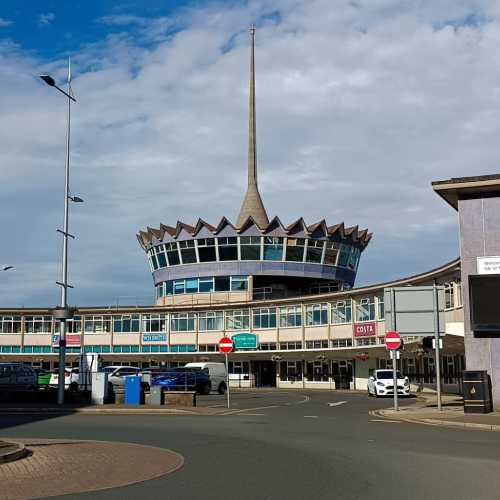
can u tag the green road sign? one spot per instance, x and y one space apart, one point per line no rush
245 341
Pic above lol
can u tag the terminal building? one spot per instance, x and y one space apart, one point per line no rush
285 293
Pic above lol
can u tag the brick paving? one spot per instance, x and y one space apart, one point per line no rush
58 467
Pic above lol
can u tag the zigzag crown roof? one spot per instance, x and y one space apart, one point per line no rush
297 229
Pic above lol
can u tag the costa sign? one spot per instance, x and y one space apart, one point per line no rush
368 329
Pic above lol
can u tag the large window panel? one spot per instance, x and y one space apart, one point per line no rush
183 322
273 248
228 248
154 323
238 319
160 256
97 324
314 251
316 314
239 283
188 252
38 324
342 311
331 253
250 247
172 254
264 318
126 323
206 285
295 249
210 321
365 309
290 316
10 324
206 250
345 252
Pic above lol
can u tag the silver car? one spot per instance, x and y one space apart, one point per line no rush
116 374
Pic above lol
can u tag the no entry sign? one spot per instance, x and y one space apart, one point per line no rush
225 345
392 340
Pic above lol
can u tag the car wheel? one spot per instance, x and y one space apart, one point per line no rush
222 388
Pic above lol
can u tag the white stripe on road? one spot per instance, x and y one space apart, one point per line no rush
385 420
338 403
311 416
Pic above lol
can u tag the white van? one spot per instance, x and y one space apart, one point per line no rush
216 372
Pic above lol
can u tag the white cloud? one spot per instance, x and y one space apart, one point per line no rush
46 19
5 22
359 108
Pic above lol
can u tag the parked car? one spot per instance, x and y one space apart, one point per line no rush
17 376
116 374
43 378
71 378
381 383
216 372
183 378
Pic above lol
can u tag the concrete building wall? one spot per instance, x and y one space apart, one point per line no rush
479 237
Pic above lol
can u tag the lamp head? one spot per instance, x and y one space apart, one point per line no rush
48 80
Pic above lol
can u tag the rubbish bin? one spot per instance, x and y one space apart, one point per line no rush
157 395
133 390
477 392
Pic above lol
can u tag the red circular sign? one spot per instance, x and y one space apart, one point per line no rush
225 344
392 340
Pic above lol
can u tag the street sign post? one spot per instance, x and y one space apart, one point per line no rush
393 342
417 311
226 346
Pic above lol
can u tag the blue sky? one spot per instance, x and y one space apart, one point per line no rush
360 106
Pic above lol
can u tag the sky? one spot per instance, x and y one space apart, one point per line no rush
361 104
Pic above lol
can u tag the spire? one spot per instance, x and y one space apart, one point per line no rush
252 204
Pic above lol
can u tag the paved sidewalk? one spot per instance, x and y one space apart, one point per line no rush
452 415
58 467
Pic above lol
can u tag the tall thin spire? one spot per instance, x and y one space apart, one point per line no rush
252 204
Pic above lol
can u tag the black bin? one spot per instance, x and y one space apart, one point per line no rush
477 392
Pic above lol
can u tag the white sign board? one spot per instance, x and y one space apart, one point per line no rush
488 265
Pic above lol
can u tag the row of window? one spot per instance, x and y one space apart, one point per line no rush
202 285
268 248
287 316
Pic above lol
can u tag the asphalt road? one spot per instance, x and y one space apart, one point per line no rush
292 445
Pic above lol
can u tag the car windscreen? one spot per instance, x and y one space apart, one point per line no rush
108 369
387 374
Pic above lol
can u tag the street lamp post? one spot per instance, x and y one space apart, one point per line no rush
63 313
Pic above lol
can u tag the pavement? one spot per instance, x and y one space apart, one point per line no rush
452 414
285 445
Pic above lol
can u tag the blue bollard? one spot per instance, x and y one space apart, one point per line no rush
133 390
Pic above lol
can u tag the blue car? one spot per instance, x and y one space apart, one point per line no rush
183 379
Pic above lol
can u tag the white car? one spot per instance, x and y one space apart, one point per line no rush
71 378
381 383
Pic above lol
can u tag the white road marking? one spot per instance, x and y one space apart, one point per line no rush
338 403
385 420
311 416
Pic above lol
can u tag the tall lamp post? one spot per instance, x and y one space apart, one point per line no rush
63 312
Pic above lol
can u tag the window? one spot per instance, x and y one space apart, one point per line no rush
290 346
238 320
154 348
208 347
345 253
228 248
206 250
354 258
290 316
290 371
74 325
160 292
192 285
264 318
314 251
172 253
188 252
183 348
267 346
331 253
126 349
97 348
365 310
154 323
459 293
154 260
317 371
449 299
317 314
335 343
250 247
205 285
342 311
97 324
239 283
210 321
381 308
161 260
179 287
10 324
295 249
126 323
273 248
317 344
366 341
239 367
222 283
331 286
38 324
183 322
